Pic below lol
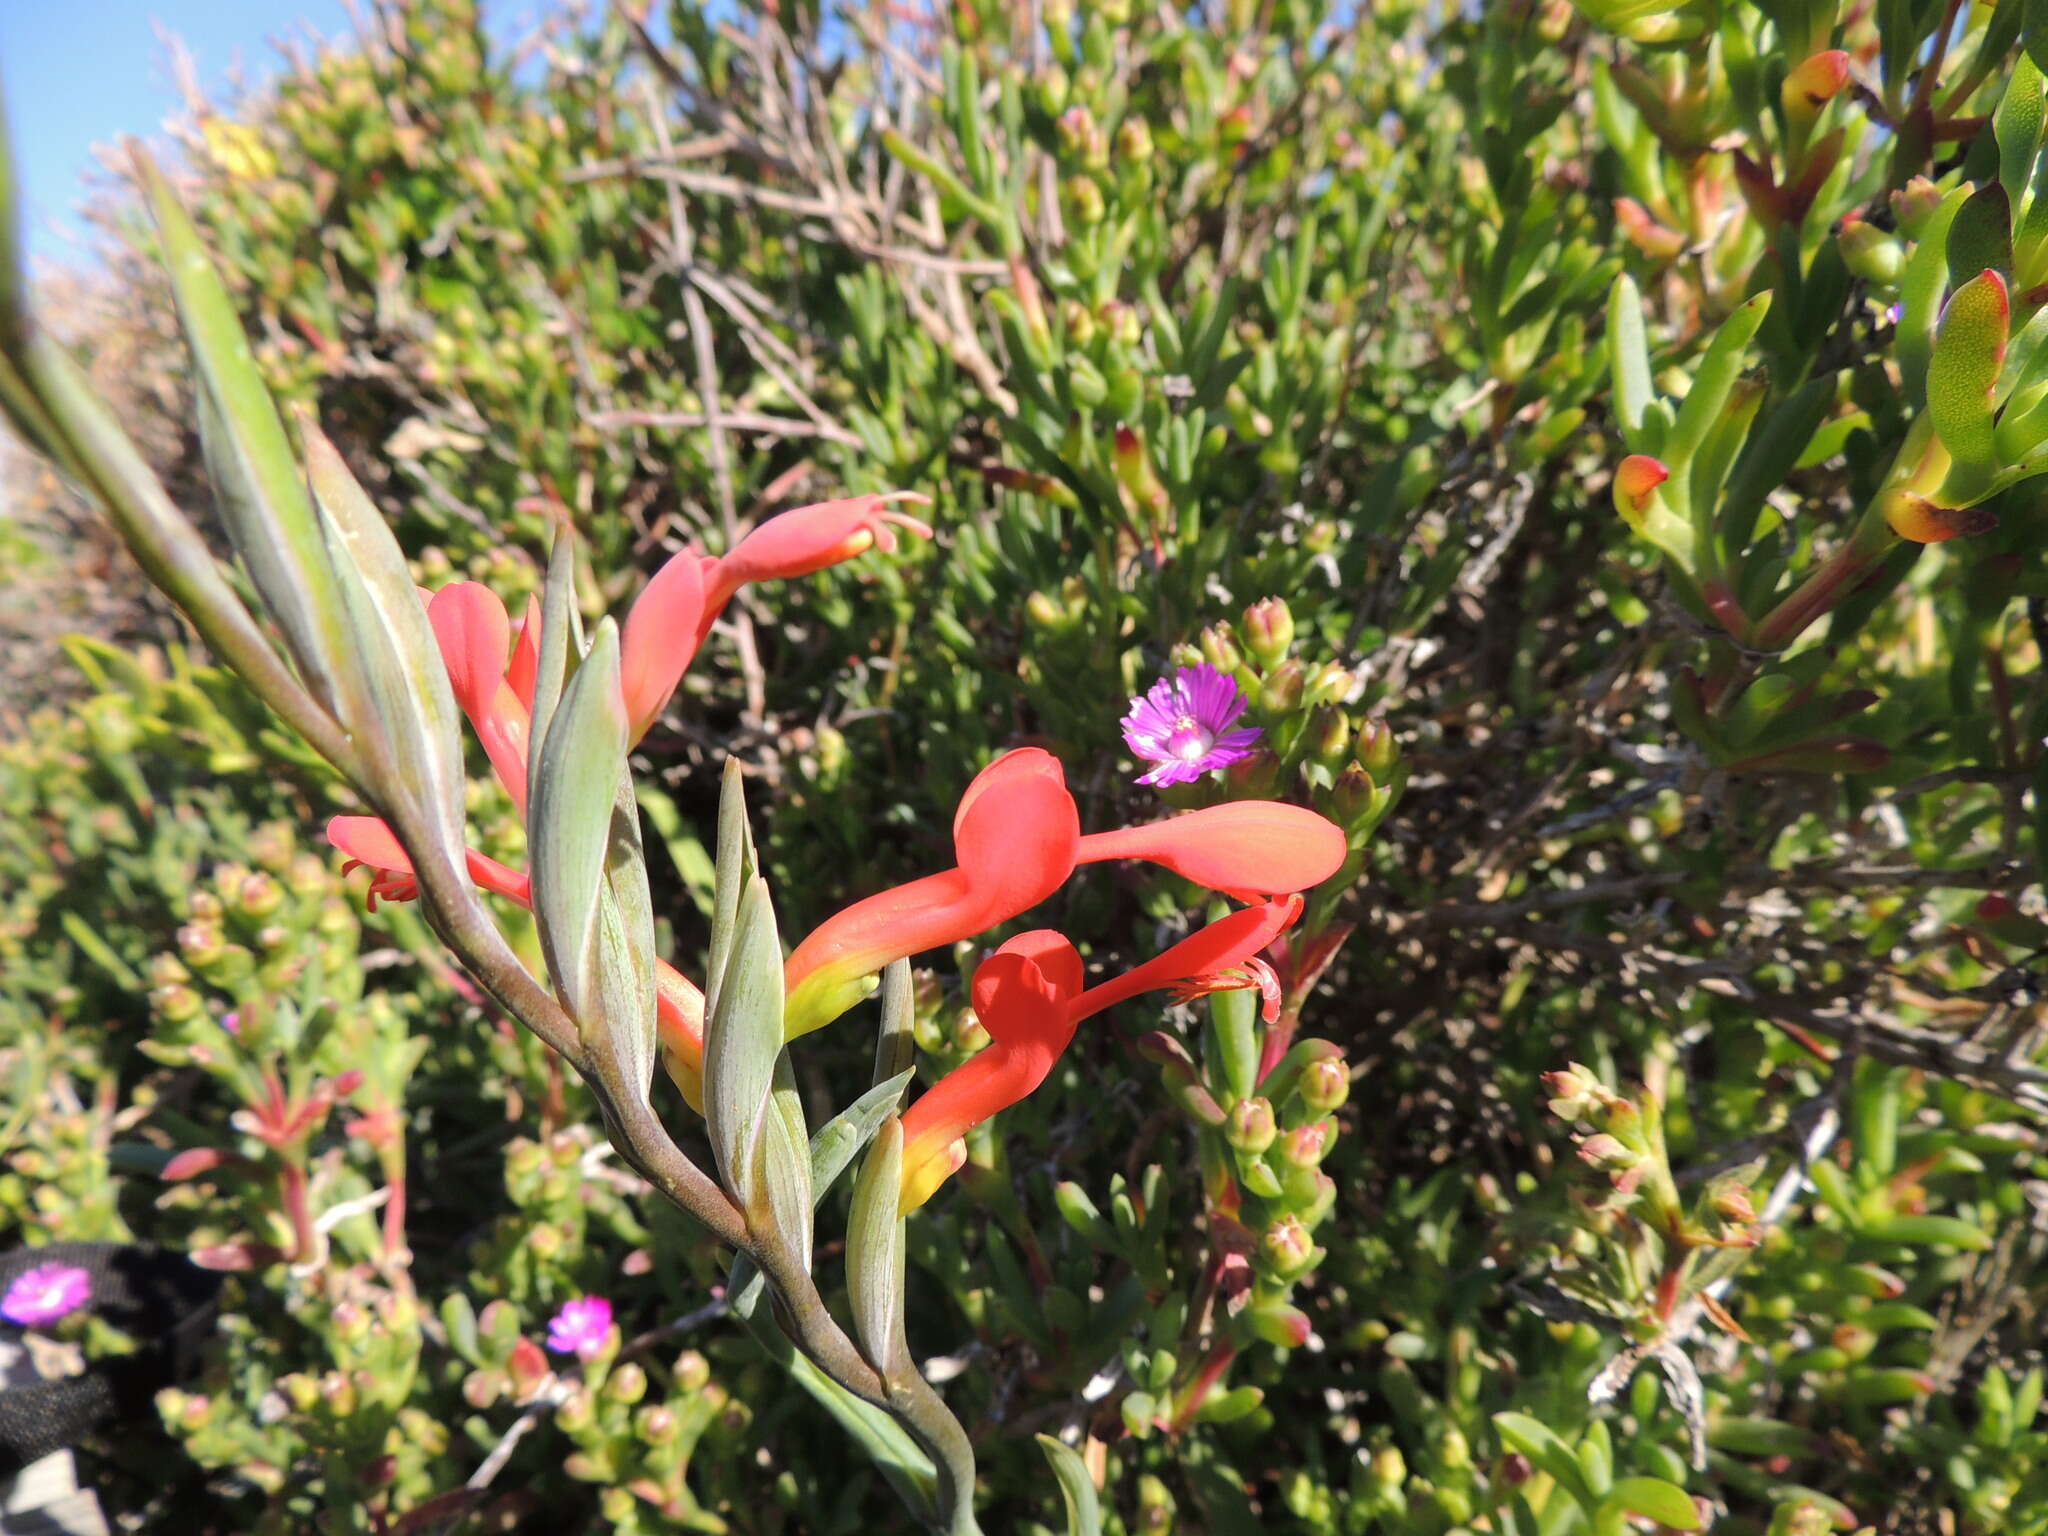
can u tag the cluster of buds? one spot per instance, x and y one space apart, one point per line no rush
1635 1213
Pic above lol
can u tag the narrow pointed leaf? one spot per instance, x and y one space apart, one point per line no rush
734 868
1628 355
572 818
1713 381
742 1039
558 603
895 1045
874 1252
404 683
1077 1488
1920 290
785 1160
264 502
2017 125
841 1138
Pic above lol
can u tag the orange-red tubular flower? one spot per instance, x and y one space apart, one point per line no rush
1246 848
808 539
660 639
370 842
475 636
1015 835
1028 996
679 1004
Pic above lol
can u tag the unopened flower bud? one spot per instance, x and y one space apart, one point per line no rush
578 1411
626 1385
1636 480
1081 137
1307 1145
1811 85
1870 253
1575 1092
1352 796
300 1390
1329 734
1389 1468
1134 141
1269 630
1251 1127
175 1005
1079 320
339 1394
1329 684
258 896
1914 204
1219 648
691 1371
544 1242
1325 1084
351 1324
1282 690
1606 1154
165 970
655 1424
201 943
1453 1450
1287 1247
1084 201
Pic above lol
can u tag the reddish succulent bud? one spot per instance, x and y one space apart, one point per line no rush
1636 480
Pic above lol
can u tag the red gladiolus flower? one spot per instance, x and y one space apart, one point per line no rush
1245 848
1015 835
475 638
368 841
1028 996
808 539
660 639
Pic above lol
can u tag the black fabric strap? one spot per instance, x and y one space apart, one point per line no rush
158 1298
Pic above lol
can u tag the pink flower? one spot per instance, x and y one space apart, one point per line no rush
581 1327
45 1293
1183 724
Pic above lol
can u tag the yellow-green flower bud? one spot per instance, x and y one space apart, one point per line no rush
626 1385
1325 1084
1219 648
1269 630
1282 690
1287 1247
1251 1127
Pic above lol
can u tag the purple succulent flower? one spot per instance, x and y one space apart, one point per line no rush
580 1328
1183 724
45 1293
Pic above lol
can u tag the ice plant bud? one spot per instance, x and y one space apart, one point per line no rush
1635 484
1255 777
626 1385
1134 141
1330 684
1869 252
1352 796
1307 1145
1914 204
1329 734
1606 1154
1043 611
1575 1092
1287 1247
1269 630
655 1424
1251 1127
1084 200
1282 690
1325 1084
1219 648
1813 84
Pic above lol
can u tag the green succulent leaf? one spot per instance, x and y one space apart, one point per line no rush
1969 349
1077 1489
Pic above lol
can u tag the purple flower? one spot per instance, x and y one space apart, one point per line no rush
1183 724
45 1293
580 1328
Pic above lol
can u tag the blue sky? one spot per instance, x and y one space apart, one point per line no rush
84 72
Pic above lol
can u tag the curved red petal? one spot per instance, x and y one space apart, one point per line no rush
369 840
1246 849
1223 945
475 637
660 638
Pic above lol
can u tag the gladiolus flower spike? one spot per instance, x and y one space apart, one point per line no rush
1028 996
1015 836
